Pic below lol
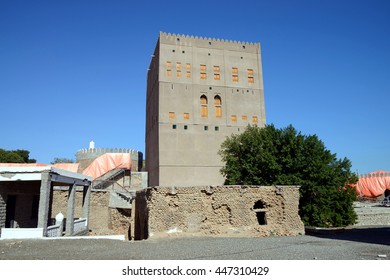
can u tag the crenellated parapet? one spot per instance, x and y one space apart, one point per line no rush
95 152
187 40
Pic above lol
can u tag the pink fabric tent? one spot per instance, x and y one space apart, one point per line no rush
373 184
108 162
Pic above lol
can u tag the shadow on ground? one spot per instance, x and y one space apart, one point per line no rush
374 235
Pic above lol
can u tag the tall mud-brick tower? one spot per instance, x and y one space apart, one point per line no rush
199 91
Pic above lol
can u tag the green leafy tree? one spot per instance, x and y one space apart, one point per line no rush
62 160
17 156
271 156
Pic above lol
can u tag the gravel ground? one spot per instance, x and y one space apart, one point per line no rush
349 244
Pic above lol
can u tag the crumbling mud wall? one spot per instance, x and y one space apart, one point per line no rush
222 210
103 220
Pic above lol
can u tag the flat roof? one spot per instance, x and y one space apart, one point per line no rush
34 173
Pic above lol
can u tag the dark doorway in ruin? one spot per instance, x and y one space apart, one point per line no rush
10 211
260 210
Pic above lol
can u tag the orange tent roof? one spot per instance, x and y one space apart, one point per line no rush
67 166
21 164
373 184
108 162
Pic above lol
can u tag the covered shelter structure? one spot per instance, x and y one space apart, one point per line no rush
374 184
26 197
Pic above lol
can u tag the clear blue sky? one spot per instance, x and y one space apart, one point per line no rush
72 71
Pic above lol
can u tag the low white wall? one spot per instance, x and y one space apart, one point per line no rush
21 233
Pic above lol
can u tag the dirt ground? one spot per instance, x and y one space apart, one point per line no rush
369 243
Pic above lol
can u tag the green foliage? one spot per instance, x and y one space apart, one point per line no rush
270 156
62 160
17 156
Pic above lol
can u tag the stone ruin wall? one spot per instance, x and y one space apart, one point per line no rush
221 210
103 220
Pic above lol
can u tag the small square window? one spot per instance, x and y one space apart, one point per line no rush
174 126
169 73
186 116
203 76
206 127
188 66
244 118
178 73
217 77
188 74
233 118
171 115
203 67
185 127
217 128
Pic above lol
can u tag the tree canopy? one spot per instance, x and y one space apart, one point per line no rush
62 160
15 156
271 156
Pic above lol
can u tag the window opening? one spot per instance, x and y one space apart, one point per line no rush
203 107
251 78
255 120
218 106
234 74
260 209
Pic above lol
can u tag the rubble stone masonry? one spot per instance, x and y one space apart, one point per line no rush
221 210
103 220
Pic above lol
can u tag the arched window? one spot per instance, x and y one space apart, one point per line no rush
203 107
218 106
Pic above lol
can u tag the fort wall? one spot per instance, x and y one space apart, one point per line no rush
251 211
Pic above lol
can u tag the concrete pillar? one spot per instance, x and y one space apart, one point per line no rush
70 212
86 202
3 207
44 202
